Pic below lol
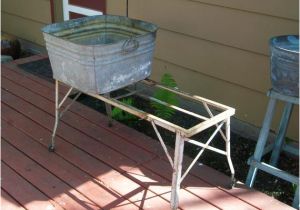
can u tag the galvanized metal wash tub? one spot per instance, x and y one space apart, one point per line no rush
285 64
99 54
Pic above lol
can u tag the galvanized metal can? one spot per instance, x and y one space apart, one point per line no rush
285 64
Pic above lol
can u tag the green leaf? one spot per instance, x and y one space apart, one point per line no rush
121 115
166 96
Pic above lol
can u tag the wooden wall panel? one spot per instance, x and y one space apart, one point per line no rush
277 8
236 28
21 27
223 62
35 10
116 7
58 11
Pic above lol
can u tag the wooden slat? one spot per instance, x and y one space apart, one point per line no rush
128 149
211 122
94 117
277 8
8 202
224 63
239 29
58 166
108 158
23 191
45 89
141 114
35 10
116 7
162 186
58 10
140 196
198 187
74 136
251 196
189 96
66 150
43 180
130 190
21 27
26 60
72 120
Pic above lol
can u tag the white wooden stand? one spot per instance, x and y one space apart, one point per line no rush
183 135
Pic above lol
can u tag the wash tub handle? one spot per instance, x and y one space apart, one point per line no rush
130 45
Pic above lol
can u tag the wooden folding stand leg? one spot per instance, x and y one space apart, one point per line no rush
262 140
255 161
108 111
182 134
177 169
58 113
177 178
52 144
228 152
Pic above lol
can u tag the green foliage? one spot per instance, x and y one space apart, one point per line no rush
121 115
166 96
294 186
288 140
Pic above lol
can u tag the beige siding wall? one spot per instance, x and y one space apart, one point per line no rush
25 18
219 48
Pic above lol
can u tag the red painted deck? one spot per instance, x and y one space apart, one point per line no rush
94 166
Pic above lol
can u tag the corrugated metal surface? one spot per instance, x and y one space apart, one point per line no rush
285 64
99 54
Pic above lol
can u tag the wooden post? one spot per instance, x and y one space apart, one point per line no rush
228 153
108 111
296 198
51 147
262 140
281 133
177 167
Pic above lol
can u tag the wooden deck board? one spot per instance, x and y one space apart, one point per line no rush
24 192
22 93
91 188
8 202
39 177
68 133
79 123
43 104
45 89
94 166
102 172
